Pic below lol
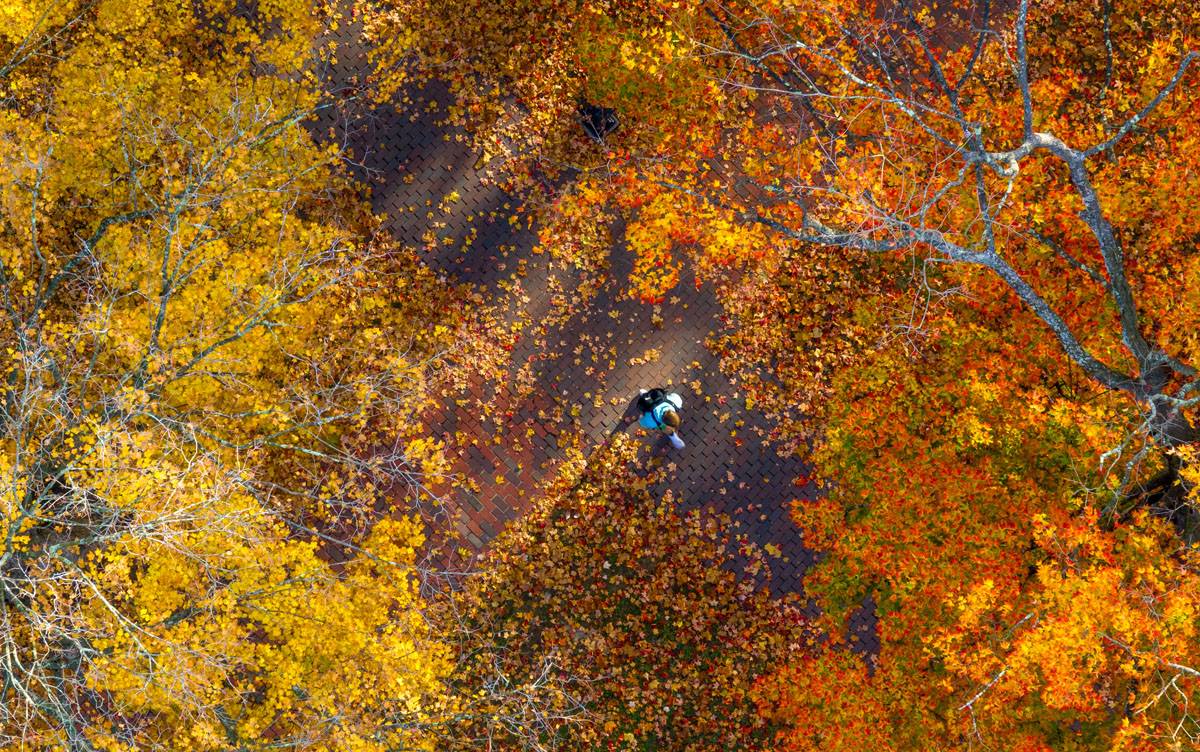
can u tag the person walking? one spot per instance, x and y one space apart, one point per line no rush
660 412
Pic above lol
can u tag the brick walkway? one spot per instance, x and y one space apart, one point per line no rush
575 370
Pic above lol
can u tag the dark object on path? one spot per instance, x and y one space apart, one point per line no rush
597 121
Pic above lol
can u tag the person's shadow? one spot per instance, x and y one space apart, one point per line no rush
628 418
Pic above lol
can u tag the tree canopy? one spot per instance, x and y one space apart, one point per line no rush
213 372
954 245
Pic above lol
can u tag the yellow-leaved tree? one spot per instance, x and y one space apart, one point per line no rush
212 371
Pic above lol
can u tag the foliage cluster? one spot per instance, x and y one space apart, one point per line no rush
213 379
605 597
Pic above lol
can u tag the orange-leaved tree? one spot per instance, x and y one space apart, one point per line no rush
1056 168
1007 458
942 470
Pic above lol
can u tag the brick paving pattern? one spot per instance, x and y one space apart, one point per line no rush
575 368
